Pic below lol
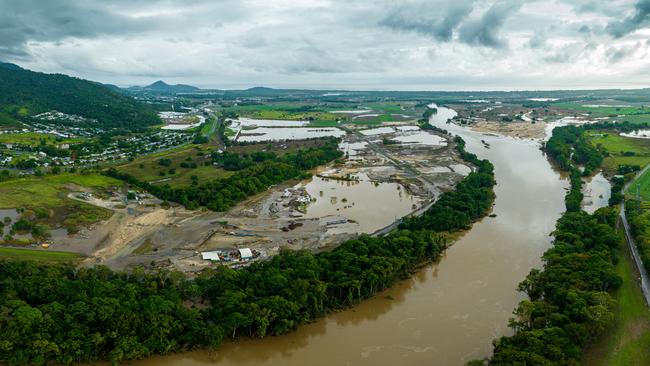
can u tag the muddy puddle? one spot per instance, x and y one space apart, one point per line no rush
12 214
366 206
448 313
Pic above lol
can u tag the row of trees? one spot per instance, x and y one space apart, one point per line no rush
223 193
569 302
56 313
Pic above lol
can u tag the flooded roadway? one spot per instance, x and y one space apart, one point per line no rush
448 313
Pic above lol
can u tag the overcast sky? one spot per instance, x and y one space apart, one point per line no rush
365 44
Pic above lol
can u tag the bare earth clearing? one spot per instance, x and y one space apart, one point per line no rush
378 184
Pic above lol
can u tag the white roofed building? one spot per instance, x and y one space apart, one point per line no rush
246 253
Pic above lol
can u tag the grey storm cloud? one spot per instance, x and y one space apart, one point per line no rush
326 42
617 54
440 21
639 19
24 21
435 20
485 31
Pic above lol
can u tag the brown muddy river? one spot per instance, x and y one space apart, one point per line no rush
447 313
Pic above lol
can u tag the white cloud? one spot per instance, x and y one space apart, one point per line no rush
414 44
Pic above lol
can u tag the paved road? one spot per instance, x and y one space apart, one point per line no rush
645 281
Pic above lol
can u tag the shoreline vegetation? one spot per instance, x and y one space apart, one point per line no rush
570 302
63 314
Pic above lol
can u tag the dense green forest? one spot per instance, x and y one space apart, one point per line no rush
568 146
57 313
24 93
569 302
255 173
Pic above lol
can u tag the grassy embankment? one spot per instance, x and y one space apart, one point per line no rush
644 184
37 255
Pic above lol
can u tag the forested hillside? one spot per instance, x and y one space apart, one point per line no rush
25 93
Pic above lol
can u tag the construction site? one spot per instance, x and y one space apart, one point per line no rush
388 173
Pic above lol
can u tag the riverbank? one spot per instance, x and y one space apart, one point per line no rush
569 302
174 314
447 313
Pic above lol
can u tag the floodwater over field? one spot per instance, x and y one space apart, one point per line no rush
288 133
447 313
597 191
371 206
421 137
377 131
250 122
639 134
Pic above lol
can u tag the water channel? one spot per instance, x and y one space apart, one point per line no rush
449 312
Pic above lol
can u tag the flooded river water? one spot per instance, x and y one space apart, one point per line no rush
448 313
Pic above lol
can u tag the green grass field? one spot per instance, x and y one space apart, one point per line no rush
322 117
631 114
602 110
34 139
616 145
147 168
48 191
627 342
387 107
283 112
37 255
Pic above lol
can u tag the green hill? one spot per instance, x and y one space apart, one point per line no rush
25 93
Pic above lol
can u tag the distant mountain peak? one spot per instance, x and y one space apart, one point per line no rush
161 86
158 84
